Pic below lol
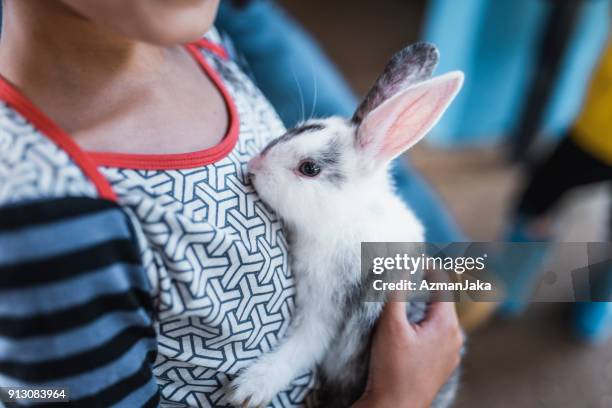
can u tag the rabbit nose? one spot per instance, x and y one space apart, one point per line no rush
255 164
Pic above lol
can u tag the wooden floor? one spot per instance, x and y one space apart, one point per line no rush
529 362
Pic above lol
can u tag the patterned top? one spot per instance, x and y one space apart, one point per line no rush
215 257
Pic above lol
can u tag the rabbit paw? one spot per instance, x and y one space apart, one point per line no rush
255 387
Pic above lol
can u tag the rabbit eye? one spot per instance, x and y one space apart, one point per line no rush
309 168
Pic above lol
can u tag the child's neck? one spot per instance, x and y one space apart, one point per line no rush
44 43
108 92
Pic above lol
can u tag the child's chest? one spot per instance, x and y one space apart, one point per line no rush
181 111
209 245
216 257
217 261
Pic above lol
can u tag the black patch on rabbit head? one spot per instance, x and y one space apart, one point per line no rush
293 132
409 66
330 160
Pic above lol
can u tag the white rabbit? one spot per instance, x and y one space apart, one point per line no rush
328 179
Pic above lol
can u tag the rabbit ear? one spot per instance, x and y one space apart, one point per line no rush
409 66
403 120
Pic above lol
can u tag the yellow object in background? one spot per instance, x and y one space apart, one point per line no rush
593 128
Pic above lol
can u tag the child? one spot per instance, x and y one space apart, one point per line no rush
124 207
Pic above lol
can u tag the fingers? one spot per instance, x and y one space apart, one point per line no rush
394 319
442 313
394 313
396 296
395 309
442 318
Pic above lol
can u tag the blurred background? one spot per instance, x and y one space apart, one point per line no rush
528 66
496 44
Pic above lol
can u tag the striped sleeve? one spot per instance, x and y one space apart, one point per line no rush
75 309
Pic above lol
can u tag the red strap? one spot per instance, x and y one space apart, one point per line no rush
212 47
41 122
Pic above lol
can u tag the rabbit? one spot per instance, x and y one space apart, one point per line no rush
328 179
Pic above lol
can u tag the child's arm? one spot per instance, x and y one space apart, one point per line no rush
75 311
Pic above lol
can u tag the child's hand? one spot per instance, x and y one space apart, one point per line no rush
410 363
